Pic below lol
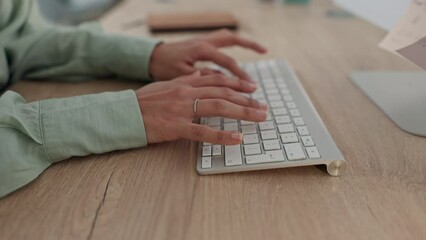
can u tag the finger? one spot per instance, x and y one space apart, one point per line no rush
223 108
224 61
220 80
226 38
229 95
202 133
190 77
245 43
208 71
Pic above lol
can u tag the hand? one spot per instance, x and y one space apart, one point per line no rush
167 108
171 60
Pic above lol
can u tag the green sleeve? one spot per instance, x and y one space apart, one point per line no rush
35 135
30 48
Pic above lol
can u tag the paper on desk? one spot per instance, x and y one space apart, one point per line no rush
416 52
407 37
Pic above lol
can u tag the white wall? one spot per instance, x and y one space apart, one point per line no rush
383 13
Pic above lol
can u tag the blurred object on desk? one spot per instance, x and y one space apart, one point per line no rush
73 12
296 1
191 21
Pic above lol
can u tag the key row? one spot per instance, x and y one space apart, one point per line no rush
232 124
233 156
252 144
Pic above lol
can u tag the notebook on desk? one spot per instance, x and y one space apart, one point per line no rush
191 21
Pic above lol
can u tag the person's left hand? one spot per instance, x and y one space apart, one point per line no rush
171 60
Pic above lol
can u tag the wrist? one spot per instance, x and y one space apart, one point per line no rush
153 62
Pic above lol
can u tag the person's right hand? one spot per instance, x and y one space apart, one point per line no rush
167 108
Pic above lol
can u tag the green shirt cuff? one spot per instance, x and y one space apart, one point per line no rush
96 123
133 56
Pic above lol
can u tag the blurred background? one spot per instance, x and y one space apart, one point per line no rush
73 12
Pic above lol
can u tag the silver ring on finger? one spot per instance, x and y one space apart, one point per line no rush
195 106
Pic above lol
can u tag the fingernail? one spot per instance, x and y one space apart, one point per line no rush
237 136
251 84
263 105
261 114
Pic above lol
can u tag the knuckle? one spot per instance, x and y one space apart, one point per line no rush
229 92
252 102
220 136
246 112
201 47
181 91
242 84
231 63
219 105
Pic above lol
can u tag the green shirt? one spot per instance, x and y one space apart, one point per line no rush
35 135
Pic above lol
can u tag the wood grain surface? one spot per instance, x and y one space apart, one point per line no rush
155 192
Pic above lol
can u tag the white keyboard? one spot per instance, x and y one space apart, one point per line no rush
293 134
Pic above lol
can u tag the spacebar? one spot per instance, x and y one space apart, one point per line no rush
267 157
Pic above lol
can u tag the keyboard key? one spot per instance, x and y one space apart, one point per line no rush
303 131
274 97
268 125
233 155
243 122
313 152
276 104
206 162
288 98
249 129
282 119
213 121
294 151
262 64
252 149
307 141
284 91
207 151
267 157
217 150
258 95
268 134
285 128
259 90
289 138
298 121
272 91
269 85
250 66
279 111
291 105
250 138
294 113
271 145
282 84
230 120
230 126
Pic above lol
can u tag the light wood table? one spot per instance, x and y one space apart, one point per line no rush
155 192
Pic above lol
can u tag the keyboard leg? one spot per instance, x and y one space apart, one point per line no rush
336 168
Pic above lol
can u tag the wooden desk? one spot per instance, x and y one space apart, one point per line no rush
155 193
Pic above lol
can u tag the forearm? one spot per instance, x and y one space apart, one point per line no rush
35 135
33 49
